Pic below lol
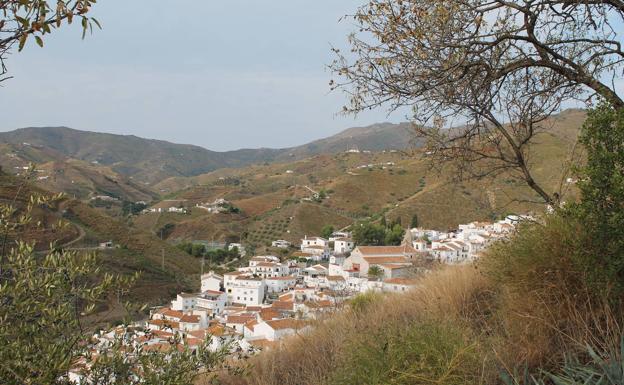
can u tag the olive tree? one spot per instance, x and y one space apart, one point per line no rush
21 20
46 299
481 77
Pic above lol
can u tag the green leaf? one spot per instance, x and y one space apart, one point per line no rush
85 25
22 42
96 22
39 41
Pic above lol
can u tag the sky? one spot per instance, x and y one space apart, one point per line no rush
220 74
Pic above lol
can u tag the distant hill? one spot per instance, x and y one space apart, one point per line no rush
150 161
275 199
84 227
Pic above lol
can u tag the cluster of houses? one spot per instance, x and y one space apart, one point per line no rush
178 210
255 306
383 166
218 206
464 244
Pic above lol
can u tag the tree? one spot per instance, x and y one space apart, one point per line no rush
327 231
369 234
500 68
375 272
197 249
601 208
132 208
22 19
44 302
394 235
414 222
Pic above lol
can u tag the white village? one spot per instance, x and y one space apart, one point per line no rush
255 307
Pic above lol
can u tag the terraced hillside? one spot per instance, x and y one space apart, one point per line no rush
85 227
280 201
78 178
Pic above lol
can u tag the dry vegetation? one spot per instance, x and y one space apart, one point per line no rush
525 305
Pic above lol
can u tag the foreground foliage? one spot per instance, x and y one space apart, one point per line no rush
45 302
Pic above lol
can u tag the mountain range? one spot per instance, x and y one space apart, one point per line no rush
149 161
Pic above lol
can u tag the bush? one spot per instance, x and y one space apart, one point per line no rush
602 206
547 308
426 353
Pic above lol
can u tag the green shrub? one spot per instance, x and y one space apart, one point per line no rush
602 199
425 353
604 368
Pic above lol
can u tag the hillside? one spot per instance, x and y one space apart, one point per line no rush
76 226
80 179
149 161
276 199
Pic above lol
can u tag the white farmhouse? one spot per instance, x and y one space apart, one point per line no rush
394 260
280 243
212 301
245 289
211 281
280 284
343 245
277 329
184 302
398 285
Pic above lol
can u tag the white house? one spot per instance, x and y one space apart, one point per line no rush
269 269
343 245
213 301
339 234
282 244
190 322
211 281
314 241
280 284
394 260
398 285
316 246
263 258
238 321
314 275
184 302
277 329
245 289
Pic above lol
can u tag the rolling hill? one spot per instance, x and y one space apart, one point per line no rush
77 226
148 161
263 182
276 202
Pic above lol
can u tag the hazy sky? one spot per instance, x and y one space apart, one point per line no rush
220 74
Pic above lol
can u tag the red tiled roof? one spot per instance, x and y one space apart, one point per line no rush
251 324
190 318
283 305
392 267
286 323
239 319
269 314
213 292
386 259
400 281
264 343
248 278
287 297
386 250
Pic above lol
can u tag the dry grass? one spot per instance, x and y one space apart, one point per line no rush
313 358
526 304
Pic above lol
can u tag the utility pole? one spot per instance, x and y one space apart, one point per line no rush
162 251
202 266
